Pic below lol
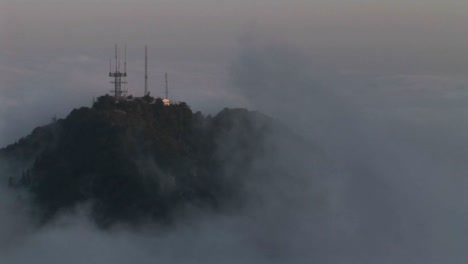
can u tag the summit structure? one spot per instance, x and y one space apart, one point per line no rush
119 75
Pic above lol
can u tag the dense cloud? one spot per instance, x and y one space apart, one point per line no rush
397 197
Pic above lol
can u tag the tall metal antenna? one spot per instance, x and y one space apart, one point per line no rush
146 70
125 58
117 75
116 61
167 86
166 100
119 56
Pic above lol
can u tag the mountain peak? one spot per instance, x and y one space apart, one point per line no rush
137 159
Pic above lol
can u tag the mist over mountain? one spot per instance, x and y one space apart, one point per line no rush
137 160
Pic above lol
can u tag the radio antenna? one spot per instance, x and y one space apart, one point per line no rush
146 70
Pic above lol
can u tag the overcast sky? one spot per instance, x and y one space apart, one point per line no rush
54 53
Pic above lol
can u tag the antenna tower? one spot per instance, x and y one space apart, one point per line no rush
146 70
166 100
167 86
117 74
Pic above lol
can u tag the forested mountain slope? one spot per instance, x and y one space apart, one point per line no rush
138 160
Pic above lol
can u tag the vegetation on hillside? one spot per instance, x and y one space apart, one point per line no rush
137 159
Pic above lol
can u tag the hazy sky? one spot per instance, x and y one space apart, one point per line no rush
60 49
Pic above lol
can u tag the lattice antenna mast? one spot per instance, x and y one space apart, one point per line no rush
146 70
118 75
